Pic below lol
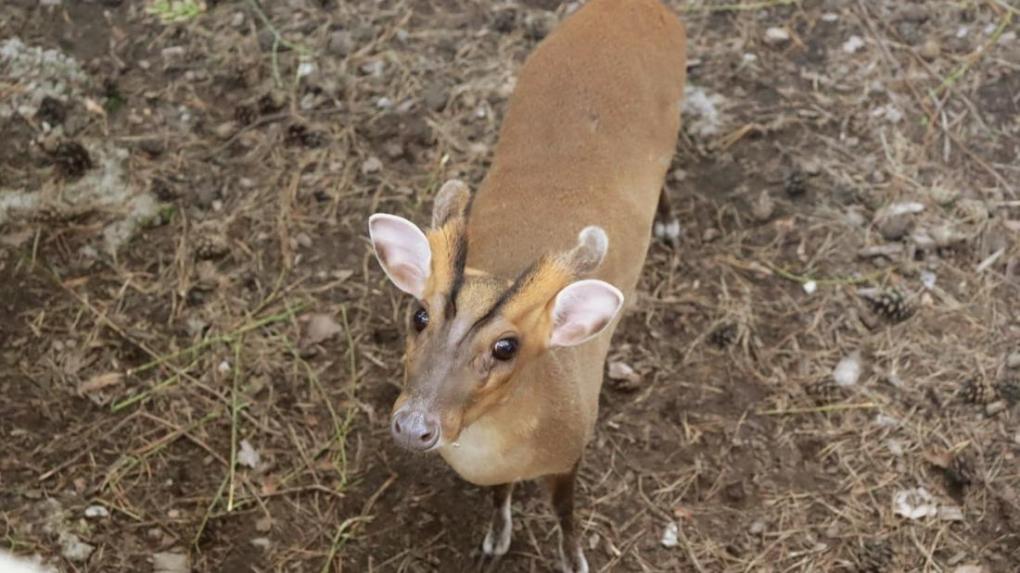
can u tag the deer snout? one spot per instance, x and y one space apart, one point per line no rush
415 430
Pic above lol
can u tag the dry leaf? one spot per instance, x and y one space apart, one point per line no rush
100 381
321 327
92 106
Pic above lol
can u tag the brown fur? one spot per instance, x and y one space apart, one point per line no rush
587 140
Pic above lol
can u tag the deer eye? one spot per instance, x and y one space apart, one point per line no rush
420 319
505 348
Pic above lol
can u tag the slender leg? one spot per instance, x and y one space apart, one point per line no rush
497 538
667 226
562 487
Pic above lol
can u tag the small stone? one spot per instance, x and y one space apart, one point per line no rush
757 528
848 371
710 235
371 165
434 97
763 207
810 287
944 196
995 407
776 36
225 130
1013 361
237 20
670 535
261 542
853 44
248 456
896 227
304 240
264 524
74 549
170 562
96 511
930 49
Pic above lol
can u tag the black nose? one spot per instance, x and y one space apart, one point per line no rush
415 430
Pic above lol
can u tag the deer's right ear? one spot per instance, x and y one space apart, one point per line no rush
403 251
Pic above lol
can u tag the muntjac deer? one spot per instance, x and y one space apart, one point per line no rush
519 286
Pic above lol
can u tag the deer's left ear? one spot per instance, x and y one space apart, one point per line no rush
403 251
582 310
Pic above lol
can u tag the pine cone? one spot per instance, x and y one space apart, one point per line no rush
72 159
724 335
245 114
890 304
976 391
795 183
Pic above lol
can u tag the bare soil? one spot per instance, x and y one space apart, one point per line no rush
268 132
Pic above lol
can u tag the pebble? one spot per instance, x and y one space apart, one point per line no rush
1013 361
434 97
763 207
710 235
853 44
995 407
225 130
96 511
930 49
895 227
776 36
237 20
371 165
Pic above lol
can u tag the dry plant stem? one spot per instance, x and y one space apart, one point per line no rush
709 7
235 407
208 512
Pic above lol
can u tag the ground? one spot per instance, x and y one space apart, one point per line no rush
198 352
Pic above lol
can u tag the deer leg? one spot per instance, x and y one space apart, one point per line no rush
497 538
562 488
667 226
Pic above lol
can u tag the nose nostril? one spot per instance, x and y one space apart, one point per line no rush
396 427
426 436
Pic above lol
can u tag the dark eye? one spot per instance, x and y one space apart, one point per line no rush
504 349
420 319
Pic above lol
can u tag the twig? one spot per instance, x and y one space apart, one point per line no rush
737 7
234 409
820 409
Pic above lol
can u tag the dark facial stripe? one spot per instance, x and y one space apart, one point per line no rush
459 264
522 281
460 260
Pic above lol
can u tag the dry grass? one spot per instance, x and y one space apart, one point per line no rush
131 382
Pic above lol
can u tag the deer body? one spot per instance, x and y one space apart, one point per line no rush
519 287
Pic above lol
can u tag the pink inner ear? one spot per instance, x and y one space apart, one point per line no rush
403 251
582 310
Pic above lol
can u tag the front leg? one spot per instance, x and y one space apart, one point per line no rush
667 226
497 538
562 487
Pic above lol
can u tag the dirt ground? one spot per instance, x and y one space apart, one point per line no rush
198 353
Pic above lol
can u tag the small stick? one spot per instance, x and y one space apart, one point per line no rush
820 409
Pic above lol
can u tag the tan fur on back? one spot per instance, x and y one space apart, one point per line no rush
587 140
